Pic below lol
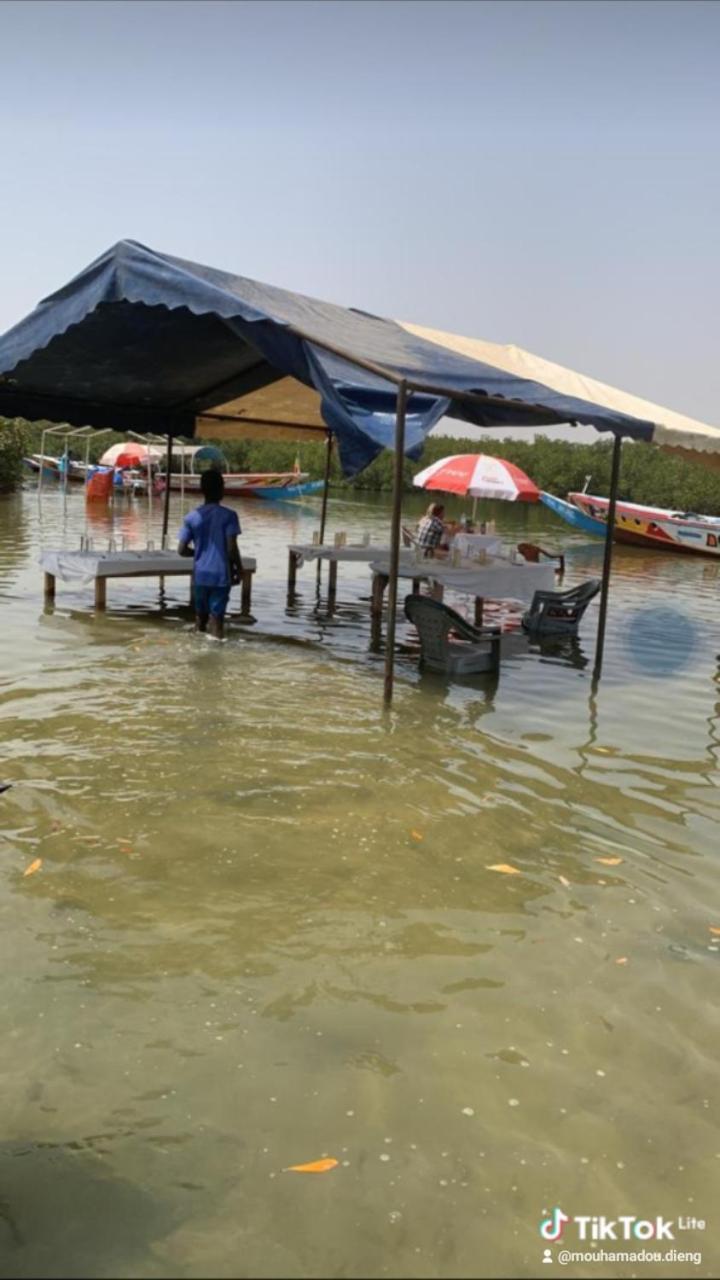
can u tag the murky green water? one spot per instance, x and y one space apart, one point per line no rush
238 955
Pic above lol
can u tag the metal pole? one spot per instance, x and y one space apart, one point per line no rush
607 562
42 458
323 513
166 510
395 539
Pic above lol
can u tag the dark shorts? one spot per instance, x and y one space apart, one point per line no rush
211 600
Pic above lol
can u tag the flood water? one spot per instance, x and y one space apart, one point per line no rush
264 930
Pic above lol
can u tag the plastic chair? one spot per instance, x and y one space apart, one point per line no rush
476 652
532 553
560 611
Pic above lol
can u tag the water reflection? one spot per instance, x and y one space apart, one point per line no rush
266 926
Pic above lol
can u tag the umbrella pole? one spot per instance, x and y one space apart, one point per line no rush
166 509
395 539
607 562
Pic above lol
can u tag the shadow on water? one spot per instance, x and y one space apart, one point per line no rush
61 1209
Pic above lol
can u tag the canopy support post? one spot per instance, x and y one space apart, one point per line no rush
398 469
607 562
166 508
323 513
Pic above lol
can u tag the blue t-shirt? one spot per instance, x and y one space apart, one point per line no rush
208 529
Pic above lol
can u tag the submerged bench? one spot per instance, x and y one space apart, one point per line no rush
83 567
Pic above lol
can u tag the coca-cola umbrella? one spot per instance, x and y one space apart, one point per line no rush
478 475
130 454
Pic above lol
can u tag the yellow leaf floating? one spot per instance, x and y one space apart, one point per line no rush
417 835
609 862
34 866
564 881
505 869
713 929
621 960
315 1166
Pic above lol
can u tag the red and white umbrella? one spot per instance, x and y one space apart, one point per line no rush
480 476
130 454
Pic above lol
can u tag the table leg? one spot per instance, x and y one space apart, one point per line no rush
437 591
100 592
416 583
292 574
479 606
49 586
332 584
246 593
379 583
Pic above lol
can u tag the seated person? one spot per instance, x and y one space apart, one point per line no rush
431 530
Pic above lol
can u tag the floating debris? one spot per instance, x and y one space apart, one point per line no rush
505 869
315 1166
34 866
610 862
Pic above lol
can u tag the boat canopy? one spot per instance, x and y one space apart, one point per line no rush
148 342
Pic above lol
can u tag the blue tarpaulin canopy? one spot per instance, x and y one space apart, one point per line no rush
147 342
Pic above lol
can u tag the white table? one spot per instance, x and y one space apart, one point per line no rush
84 567
469 543
299 553
496 580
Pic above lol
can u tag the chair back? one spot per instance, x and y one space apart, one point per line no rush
433 621
560 611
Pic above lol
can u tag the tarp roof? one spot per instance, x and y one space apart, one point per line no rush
144 341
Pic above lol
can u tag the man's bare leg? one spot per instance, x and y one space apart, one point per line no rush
216 627
201 621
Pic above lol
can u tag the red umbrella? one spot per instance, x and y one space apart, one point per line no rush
479 475
129 455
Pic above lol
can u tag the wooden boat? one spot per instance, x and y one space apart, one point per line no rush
53 468
248 484
659 527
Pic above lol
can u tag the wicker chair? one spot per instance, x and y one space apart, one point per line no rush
559 612
477 651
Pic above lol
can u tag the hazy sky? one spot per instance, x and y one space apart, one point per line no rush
539 173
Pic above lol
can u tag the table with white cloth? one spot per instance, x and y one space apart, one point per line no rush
298 554
83 567
468 544
496 580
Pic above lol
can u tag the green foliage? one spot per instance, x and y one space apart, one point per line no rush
13 446
560 466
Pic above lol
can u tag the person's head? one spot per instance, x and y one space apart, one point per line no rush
436 509
212 485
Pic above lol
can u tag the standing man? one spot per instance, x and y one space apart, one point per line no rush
210 534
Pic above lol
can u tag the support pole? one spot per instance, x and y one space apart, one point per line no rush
395 539
323 513
607 562
166 509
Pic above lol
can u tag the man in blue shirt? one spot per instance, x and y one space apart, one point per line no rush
210 535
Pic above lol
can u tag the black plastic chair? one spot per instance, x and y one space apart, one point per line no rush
560 612
478 649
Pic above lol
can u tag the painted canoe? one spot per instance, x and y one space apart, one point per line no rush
242 484
658 527
572 515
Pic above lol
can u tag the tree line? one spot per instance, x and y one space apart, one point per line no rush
559 466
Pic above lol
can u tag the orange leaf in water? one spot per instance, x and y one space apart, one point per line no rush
315 1166
417 835
34 866
621 960
505 869
609 862
714 930
563 880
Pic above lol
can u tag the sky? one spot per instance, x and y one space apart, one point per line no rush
543 173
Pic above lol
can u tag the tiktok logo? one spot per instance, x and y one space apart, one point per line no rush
552 1228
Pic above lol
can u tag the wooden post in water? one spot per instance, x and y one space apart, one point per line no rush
402 392
607 562
323 513
166 509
